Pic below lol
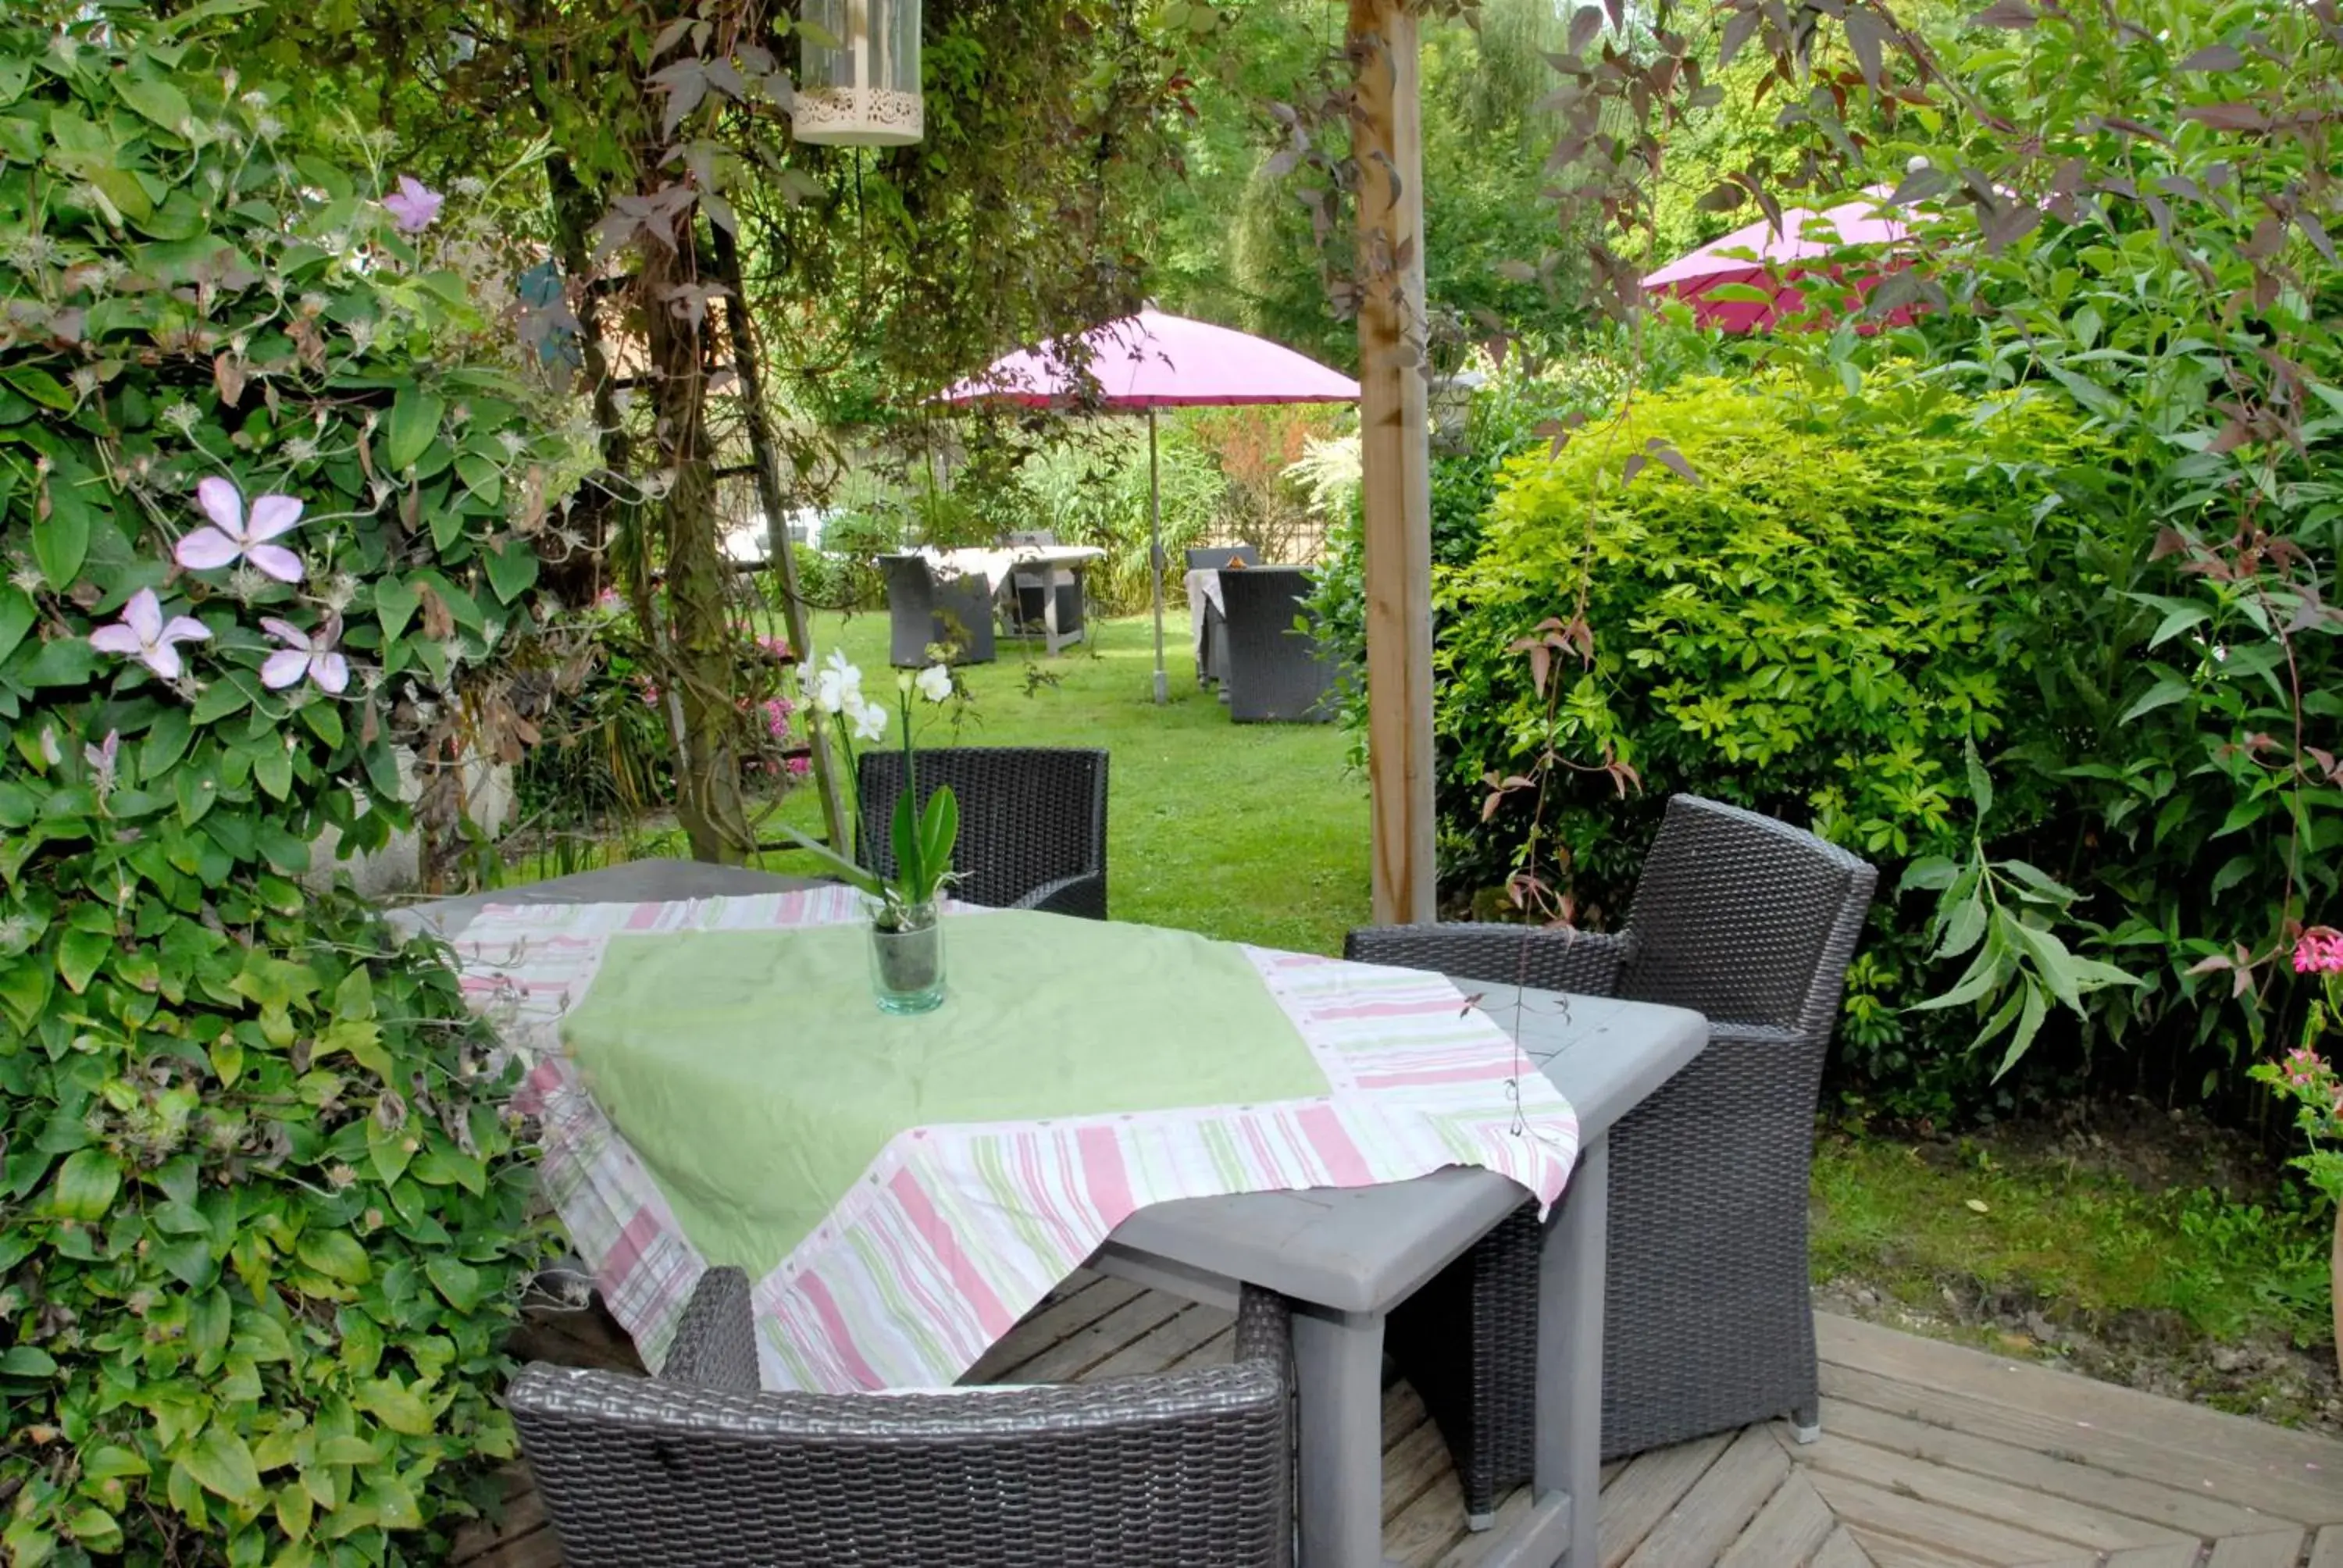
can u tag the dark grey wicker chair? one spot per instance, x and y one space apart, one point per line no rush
1274 672
922 610
1706 1320
1213 638
1029 584
1032 822
1191 1469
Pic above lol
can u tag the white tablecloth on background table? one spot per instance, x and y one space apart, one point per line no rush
994 565
1203 588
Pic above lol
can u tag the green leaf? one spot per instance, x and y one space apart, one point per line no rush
858 877
157 100
17 616
2029 1023
394 606
79 955
219 699
2168 688
94 1530
221 1462
414 424
1980 782
61 541
85 1185
1929 871
165 743
40 386
395 1407
335 1254
228 1058
939 830
272 769
911 867
26 1360
512 569
457 1281
482 477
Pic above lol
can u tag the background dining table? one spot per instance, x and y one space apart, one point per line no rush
1346 1257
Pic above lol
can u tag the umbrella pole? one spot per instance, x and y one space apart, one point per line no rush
1155 553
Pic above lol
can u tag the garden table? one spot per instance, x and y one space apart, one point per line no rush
1346 1257
996 565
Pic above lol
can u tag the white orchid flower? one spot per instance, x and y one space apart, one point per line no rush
935 683
868 719
837 685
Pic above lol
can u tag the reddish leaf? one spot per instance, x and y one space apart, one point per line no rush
2006 13
2214 57
2227 116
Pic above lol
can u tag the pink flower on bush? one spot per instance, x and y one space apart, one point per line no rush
776 716
608 600
2319 950
235 536
413 206
144 635
310 654
799 767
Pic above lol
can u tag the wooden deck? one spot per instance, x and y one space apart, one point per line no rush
1932 1456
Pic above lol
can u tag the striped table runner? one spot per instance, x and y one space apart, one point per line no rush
956 1231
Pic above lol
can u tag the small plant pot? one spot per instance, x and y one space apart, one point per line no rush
907 960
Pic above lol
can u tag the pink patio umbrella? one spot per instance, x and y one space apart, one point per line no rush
1150 361
1772 260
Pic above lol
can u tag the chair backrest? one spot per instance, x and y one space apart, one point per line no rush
1191 1467
1265 596
1213 559
910 584
1745 919
1028 816
1495 953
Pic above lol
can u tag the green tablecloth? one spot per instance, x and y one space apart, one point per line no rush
754 1077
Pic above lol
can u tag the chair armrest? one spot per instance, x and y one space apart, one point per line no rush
715 1342
1084 895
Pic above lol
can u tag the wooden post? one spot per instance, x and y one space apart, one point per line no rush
1395 455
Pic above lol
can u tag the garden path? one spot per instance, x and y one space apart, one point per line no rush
1934 1456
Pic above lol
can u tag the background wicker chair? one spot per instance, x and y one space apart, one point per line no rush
1707 1324
1273 671
921 610
696 1467
1028 584
1212 637
1032 822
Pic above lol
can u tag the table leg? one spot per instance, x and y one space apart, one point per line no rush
1338 1372
1050 610
1570 1352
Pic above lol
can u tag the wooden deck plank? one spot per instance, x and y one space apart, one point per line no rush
1891 1523
1473 1548
1068 1358
1053 1320
1787 1532
1841 1550
2057 1518
1422 1533
2280 1549
1411 1465
1651 1485
1167 1344
2288 1498
2154 1557
2089 1406
1727 1496
2328 1551
2177 1509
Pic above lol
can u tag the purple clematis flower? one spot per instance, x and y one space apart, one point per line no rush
142 634
233 536
310 654
413 206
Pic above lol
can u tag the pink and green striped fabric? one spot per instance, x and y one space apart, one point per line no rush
901 1191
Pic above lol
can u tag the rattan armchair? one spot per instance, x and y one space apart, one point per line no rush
1706 1320
1032 822
923 609
1191 1469
1274 671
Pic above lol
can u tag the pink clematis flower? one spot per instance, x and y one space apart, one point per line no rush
310 654
143 634
233 536
413 206
2319 950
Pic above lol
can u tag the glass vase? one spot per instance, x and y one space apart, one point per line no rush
907 958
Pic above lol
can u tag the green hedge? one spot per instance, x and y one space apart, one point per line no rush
1847 592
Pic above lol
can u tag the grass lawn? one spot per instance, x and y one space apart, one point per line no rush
1254 832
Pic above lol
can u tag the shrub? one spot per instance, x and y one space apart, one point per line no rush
1814 627
1093 490
263 1209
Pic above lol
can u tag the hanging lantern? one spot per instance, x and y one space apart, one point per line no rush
859 79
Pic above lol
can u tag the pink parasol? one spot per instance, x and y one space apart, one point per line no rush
1773 260
1154 360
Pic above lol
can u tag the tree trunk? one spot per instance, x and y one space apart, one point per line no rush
699 656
